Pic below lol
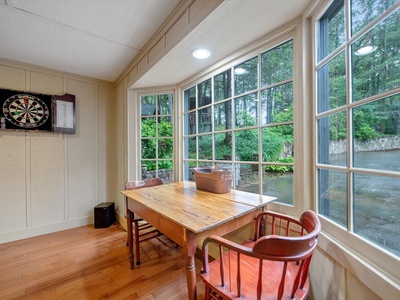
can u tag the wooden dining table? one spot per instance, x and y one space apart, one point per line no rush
187 216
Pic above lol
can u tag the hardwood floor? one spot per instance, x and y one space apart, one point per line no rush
88 263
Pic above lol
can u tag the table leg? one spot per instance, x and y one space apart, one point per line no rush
189 249
130 240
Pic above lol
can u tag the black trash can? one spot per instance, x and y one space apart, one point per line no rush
104 215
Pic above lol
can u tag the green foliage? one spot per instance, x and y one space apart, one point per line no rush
372 74
362 128
277 64
162 164
205 146
165 164
148 148
365 133
272 144
247 81
148 127
337 127
223 145
149 140
280 168
246 144
244 119
165 128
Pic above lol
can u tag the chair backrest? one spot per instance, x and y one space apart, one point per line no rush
132 185
286 238
276 262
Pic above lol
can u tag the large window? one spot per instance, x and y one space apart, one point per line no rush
358 119
242 119
156 138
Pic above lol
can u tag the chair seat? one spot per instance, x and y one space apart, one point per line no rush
272 265
249 268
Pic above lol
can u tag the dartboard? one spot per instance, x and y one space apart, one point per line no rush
26 111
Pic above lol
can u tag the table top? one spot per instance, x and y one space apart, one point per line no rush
194 209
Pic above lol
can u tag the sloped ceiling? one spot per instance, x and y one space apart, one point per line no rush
95 38
99 38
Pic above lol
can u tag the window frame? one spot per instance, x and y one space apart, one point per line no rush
302 194
133 158
385 264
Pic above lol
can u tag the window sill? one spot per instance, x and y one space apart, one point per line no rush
381 283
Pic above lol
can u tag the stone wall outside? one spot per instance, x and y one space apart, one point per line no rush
379 144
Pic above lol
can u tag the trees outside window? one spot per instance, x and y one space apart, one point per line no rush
358 119
242 119
156 155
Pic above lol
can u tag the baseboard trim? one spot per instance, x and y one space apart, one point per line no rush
25 233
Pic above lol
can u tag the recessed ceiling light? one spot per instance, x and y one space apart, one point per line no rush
201 53
365 50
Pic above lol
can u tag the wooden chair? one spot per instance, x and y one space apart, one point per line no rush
142 231
272 266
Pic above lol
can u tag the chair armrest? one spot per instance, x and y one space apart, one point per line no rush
221 242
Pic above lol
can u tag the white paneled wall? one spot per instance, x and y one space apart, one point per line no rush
51 181
13 189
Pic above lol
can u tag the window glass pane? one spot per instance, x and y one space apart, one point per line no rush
331 30
277 64
388 160
278 182
223 146
165 126
165 170
165 148
246 144
277 143
223 86
165 104
248 178
148 127
377 210
148 148
332 149
246 108
246 77
363 12
376 131
190 123
205 120
189 170
376 59
223 116
204 93
190 99
205 147
332 84
332 195
148 167
148 105
277 104
190 148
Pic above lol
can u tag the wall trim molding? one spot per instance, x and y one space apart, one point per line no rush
45 229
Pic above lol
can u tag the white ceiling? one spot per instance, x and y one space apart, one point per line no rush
99 38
